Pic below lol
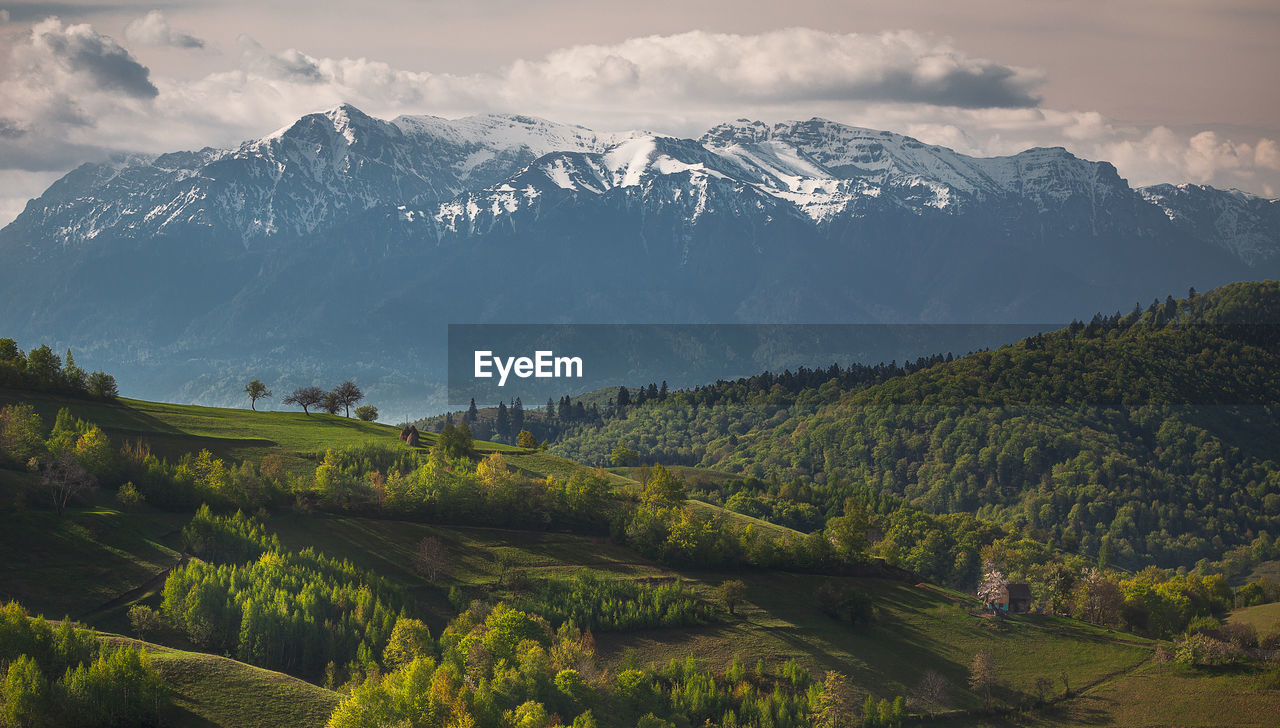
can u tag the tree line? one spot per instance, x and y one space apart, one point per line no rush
43 370
60 675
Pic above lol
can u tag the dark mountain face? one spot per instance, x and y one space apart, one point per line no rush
342 245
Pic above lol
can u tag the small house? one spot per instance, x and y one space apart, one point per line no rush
1014 598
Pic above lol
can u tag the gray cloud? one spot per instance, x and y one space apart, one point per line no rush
82 50
288 65
153 29
794 64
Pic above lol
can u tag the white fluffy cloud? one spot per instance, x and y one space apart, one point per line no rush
153 29
72 94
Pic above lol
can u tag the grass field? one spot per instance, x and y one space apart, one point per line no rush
208 691
1158 696
174 429
1265 617
74 565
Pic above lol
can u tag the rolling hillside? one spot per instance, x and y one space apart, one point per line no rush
1147 436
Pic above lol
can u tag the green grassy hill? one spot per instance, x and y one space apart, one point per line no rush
1265 617
100 558
208 691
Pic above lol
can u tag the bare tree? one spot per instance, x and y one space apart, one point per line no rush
982 676
348 395
329 403
1043 686
431 559
256 391
305 397
65 478
931 691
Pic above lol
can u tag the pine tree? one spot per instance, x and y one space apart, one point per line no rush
503 424
472 413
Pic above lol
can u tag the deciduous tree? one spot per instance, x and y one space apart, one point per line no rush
349 395
64 478
931 691
329 403
256 391
103 385
982 676
431 559
993 586
305 397
731 593
21 433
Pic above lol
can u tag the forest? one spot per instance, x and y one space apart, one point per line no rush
1120 468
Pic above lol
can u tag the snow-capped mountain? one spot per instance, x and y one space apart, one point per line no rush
342 243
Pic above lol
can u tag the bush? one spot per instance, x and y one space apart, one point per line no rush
367 413
1200 650
128 495
144 620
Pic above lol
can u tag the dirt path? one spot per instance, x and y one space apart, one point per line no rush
152 584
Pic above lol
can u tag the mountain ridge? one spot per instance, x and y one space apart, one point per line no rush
342 243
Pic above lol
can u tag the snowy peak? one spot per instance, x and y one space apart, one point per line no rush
335 167
503 131
1245 224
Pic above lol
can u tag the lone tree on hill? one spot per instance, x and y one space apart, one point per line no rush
256 391
732 592
305 397
349 395
367 413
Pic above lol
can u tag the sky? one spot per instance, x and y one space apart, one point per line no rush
1167 90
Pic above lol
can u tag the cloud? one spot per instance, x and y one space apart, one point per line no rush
288 65
153 29
4 16
65 54
795 64
1204 157
62 83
